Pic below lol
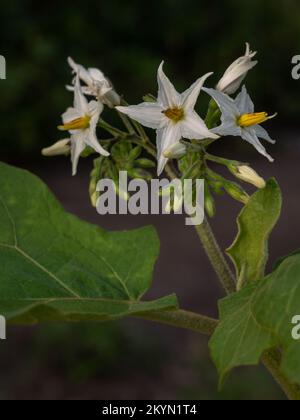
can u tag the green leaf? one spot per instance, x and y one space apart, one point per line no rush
55 266
280 260
258 318
249 251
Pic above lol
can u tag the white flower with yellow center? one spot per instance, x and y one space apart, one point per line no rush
173 116
239 119
236 73
81 121
96 84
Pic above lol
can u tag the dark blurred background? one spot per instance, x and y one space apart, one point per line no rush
127 40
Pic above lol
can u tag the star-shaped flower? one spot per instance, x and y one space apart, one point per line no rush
81 121
238 119
173 115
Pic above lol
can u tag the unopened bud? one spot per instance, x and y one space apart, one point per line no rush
210 205
175 152
247 174
61 147
236 192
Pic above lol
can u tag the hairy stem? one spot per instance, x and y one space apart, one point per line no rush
183 319
216 257
272 359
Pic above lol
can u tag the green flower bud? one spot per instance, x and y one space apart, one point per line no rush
145 163
135 153
210 205
236 192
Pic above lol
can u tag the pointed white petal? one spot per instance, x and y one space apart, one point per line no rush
80 101
244 102
225 103
263 134
95 109
79 70
250 136
193 127
190 96
77 147
92 141
168 97
97 75
148 114
228 128
90 134
166 137
70 115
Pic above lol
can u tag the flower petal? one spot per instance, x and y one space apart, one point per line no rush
70 115
148 114
193 127
168 97
228 128
97 75
79 70
77 147
80 101
263 134
166 137
190 96
90 134
225 103
244 102
250 136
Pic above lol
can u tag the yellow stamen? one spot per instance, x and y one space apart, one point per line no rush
174 114
78 124
248 120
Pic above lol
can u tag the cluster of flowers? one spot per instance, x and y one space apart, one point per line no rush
172 115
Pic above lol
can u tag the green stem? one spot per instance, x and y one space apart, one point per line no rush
126 122
183 319
216 257
110 129
272 361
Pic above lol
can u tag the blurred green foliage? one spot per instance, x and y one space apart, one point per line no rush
127 40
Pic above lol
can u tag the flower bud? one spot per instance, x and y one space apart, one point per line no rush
61 147
247 174
210 205
175 152
236 192
236 73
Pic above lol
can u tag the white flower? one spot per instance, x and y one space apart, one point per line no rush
81 121
173 115
96 84
236 73
238 119
247 174
61 147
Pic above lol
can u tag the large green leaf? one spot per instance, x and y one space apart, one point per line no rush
258 318
54 266
249 251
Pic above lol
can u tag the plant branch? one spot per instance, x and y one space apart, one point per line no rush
216 257
182 319
272 360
